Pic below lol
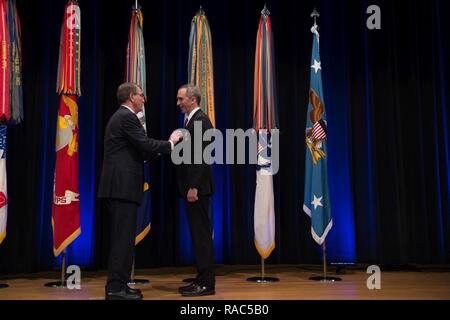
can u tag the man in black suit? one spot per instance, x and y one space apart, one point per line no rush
195 184
126 146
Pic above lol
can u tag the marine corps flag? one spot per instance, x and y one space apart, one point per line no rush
316 198
66 205
264 106
135 72
200 63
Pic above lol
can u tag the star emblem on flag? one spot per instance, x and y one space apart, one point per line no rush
316 66
317 202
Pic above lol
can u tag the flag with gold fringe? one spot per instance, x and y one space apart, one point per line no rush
264 115
66 202
200 63
135 72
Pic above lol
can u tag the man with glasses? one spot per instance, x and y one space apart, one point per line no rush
126 146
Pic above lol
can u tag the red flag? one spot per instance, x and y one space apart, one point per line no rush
66 203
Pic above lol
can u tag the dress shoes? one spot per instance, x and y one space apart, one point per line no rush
188 287
197 290
134 291
124 294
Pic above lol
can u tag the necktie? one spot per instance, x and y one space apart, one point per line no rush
185 122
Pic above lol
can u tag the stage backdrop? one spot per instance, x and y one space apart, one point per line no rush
386 93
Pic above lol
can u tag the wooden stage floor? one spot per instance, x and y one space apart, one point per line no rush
425 283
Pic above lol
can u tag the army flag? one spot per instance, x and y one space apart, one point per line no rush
264 115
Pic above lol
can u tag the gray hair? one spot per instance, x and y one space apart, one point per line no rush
125 90
192 91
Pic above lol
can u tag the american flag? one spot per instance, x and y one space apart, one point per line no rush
318 131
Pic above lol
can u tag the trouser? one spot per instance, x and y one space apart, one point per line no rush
123 228
200 229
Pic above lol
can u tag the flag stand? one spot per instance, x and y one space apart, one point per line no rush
324 278
134 281
62 283
263 278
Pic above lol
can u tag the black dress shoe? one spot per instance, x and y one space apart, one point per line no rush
188 287
123 295
197 291
134 291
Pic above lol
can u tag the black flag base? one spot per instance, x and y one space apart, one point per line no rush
263 279
56 284
138 281
3 285
325 279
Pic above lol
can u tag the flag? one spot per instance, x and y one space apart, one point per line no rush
200 63
316 198
264 106
135 72
3 184
5 64
15 57
11 105
66 203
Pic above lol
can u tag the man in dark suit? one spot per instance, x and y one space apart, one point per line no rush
126 146
195 184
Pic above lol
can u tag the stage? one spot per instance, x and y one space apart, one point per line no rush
418 283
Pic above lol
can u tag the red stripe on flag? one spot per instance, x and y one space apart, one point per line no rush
317 132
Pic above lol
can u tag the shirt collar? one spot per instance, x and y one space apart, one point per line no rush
128 108
191 114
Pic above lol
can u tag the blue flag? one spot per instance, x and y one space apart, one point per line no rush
316 199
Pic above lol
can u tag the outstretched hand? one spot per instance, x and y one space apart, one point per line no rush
176 136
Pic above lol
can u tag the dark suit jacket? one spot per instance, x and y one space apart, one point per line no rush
126 147
196 175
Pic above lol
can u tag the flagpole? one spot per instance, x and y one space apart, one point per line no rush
62 283
134 281
263 278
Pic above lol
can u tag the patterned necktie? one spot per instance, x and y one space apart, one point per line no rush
185 122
